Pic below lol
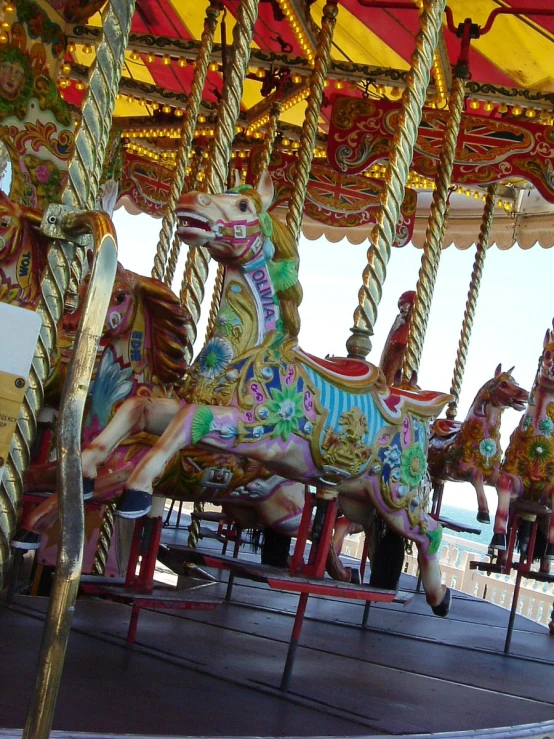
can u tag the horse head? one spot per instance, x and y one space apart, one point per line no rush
234 226
546 368
237 230
504 392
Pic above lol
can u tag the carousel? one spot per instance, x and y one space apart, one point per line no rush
134 454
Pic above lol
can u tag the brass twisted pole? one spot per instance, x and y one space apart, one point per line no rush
433 242
269 138
216 299
171 265
383 233
473 294
216 175
81 191
196 267
104 540
233 84
295 213
190 184
187 135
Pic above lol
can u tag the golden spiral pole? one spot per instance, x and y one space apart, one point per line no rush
433 242
383 233
187 135
196 267
81 191
473 294
171 265
190 184
295 213
269 138
216 175
216 299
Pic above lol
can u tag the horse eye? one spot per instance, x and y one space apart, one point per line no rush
5 222
120 298
504 384
548 355
243 206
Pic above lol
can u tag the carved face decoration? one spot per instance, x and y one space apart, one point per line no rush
12 79
16 80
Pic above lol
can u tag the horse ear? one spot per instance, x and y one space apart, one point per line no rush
498 370
265 189
238 180
509 372
546 338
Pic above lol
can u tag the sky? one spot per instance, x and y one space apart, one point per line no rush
514 310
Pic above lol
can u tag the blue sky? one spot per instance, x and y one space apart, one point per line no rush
515 309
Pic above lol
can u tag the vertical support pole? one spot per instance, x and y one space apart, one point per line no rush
308 137
513 609
382 235
269 138
473 294
294 639
187 135
433 242
216 175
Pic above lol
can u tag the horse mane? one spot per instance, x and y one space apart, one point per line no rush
169 333
286 250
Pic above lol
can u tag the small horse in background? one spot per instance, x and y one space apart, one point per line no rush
252 392
470 451
22 254
527 471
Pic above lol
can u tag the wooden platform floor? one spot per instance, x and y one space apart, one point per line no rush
218 673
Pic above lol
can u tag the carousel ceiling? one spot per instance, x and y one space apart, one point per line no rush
511 68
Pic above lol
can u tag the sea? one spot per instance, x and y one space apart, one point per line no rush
468 517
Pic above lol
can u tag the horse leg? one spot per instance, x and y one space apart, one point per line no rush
504 490
477 481
136 414
549 553
427 535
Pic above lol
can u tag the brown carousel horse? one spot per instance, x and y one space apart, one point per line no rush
140 353
470 451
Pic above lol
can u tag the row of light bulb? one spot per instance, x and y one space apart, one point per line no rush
7 9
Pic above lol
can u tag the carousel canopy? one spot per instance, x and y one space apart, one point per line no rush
509 106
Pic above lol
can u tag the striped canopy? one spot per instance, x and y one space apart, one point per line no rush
511 67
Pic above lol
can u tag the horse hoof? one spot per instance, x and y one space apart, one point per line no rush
133 504
483 517
498 542
444 606
88 488
26 540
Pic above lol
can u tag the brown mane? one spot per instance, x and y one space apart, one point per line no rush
169 321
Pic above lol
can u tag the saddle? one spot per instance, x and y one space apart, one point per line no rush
359 377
